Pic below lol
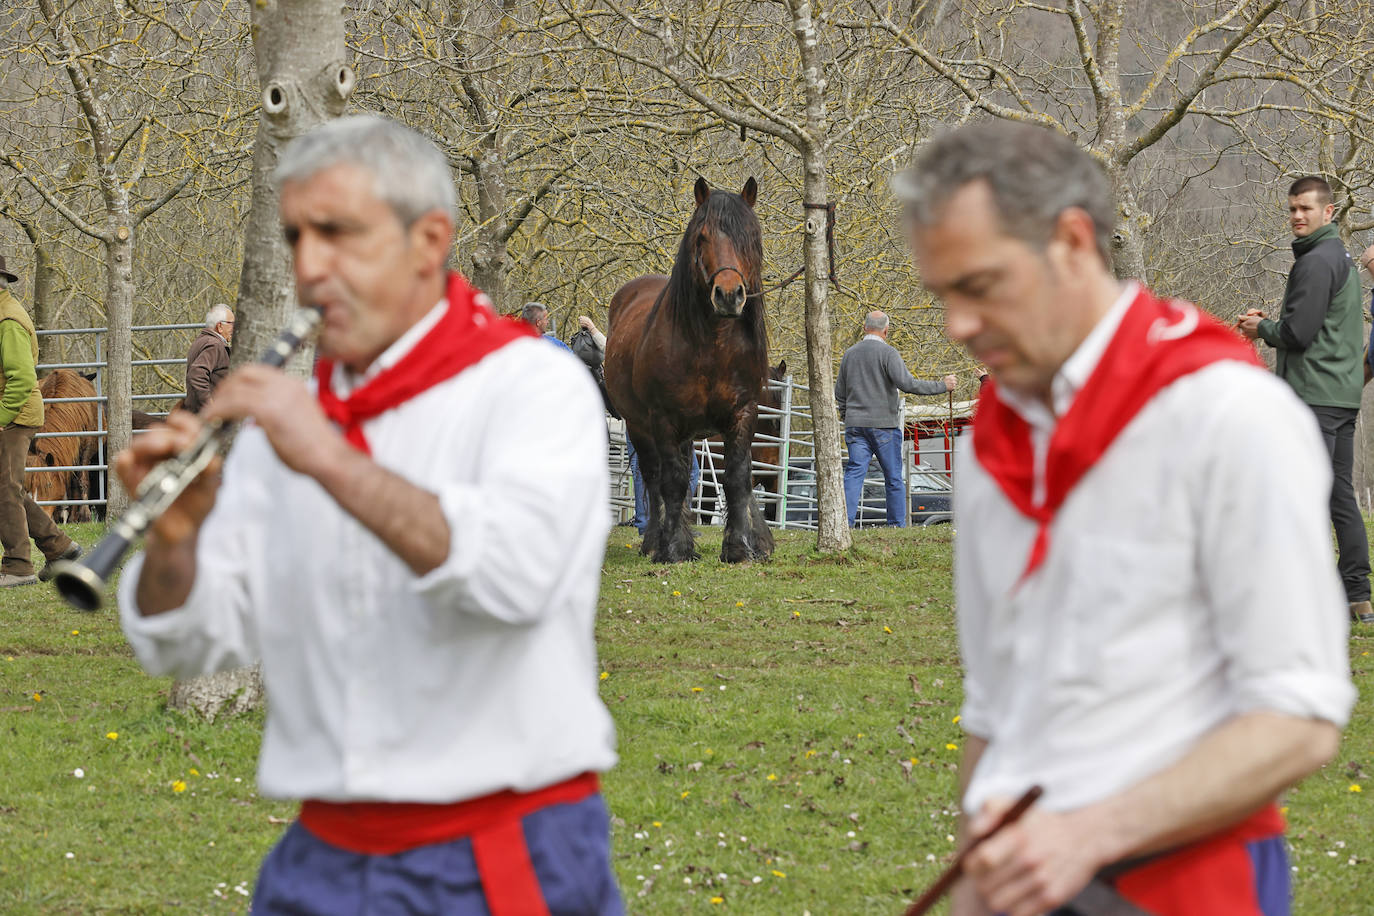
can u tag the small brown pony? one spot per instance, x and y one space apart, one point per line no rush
64 451
686 356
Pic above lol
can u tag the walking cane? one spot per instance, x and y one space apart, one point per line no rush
956 869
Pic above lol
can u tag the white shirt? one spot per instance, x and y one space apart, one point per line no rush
481 675
1189 579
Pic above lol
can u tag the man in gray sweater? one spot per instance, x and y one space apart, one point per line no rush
866 392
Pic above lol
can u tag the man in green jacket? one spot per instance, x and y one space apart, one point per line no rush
21 415
1319 338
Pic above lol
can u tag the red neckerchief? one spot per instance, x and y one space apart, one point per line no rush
468 331
1158 342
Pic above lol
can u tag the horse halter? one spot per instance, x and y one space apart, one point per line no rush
744 281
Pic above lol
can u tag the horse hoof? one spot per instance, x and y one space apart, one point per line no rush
735 553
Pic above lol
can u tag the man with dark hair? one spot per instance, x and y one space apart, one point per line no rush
1319 339
867 395
1119 650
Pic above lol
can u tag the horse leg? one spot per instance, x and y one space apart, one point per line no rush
746 532
676 538
646 456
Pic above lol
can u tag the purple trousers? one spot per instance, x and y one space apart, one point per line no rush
569 847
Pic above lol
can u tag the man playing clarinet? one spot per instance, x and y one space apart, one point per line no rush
1147 636
418 581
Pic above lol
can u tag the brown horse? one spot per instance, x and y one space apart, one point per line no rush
65 451
686 356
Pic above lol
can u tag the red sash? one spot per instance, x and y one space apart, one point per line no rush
468 331
491 821
1158 342
1212 877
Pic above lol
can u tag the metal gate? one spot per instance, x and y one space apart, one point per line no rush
784 465
98 366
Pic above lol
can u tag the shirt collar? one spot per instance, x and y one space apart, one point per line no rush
1074 374
345 381
874 337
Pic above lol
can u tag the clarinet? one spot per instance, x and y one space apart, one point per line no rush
82 582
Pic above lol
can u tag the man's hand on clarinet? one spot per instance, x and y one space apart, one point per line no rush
1034 865
148 449
284 409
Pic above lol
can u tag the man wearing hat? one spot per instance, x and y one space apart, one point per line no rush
21 415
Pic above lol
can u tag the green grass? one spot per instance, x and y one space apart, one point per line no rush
758 710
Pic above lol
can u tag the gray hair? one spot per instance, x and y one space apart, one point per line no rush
875 321
218 312
409 172
532 311
1034 174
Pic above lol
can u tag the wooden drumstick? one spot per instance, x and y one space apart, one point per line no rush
956 869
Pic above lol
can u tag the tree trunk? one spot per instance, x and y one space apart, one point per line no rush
306 80
1128 242
832 522
44 297
119 349
489 262
231 692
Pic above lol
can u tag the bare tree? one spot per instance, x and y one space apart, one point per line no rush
305 80
988 60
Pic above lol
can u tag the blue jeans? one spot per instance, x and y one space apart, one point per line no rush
641 516
568 847
863 443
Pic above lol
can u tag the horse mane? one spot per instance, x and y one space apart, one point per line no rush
690 309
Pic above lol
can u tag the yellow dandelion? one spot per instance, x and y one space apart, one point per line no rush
685 794
739 604
809 754
778 874
9 658
796 613
113 736
1284 811
709 752
76 632
38 698
957 719
677 594
772 777
914 761
887 629
605 674
178 786
859 735
698 689
1355 787
658 823
951 747
195 772
717 899
629 545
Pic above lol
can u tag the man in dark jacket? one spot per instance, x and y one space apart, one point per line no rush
866 393
1319 339
208 360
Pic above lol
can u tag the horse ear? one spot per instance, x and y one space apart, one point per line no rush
50 459
782 368
750 192
702 190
